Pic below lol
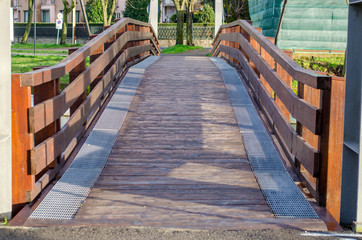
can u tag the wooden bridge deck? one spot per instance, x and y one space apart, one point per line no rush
179 160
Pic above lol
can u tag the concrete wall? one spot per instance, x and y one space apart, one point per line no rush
5 112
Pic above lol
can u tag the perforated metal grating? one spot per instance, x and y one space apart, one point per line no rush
283 196
69 193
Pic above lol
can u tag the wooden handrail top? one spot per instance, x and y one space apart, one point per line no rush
44 75
302 75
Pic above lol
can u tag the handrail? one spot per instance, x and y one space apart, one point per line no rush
44 75
310 78
40 145
317 106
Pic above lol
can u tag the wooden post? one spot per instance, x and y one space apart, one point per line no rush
93 56
22 142
288 80
270 61
72 76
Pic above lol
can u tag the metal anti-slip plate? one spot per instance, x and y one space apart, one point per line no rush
283 196
69 193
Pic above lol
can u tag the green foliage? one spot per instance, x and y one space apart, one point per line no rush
137 9
332 66
179 49
173 18
25 63
207 15
41 45
94 11
5 223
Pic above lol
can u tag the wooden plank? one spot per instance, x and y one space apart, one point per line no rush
53 147
307 114
22 142
45 75
72 76
54 108
303 151
307 77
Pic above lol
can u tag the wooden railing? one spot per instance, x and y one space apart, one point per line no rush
40 145
314 145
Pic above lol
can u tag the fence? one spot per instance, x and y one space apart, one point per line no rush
40 145
314 148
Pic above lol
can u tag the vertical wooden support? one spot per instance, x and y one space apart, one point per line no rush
256 46
270 61
288 81
93 56
130 27
335 147
72 76
22 142
325 99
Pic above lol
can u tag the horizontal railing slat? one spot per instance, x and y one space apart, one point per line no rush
50 149
297 72
48 111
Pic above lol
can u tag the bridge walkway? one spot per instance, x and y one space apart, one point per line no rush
179 160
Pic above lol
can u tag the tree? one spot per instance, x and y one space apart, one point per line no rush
137 9
189 21
67 9
207 14
28 25
180 5
108 11
236 9
94 10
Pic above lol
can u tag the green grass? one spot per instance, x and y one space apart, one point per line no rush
332 66
25 63
40 51
42 45
179 49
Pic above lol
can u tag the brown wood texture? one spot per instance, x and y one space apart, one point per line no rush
312 79
54 146
22 141
305 153
72 76
48 111
179 156
322 134
306 113
45 75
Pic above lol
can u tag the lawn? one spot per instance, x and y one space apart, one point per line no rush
41 45
50 51
332 66
25 63
179 49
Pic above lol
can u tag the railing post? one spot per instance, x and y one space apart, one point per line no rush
22 142
270 61
288 80
72 76
93 56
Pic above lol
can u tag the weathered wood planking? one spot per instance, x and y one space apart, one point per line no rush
179 156
51 147
315 147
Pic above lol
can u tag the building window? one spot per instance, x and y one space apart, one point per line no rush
118 15
26 16
77 16
45 16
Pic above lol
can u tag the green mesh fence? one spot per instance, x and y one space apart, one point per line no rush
306 24
265 14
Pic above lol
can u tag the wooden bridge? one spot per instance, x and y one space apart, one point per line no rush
177 141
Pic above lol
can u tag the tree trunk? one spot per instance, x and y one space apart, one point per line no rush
28 25
189 23
66 11
180 28
105 16
63 39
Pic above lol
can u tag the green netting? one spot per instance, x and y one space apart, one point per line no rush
265 14
306 24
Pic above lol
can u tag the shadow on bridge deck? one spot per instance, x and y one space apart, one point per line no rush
179 160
